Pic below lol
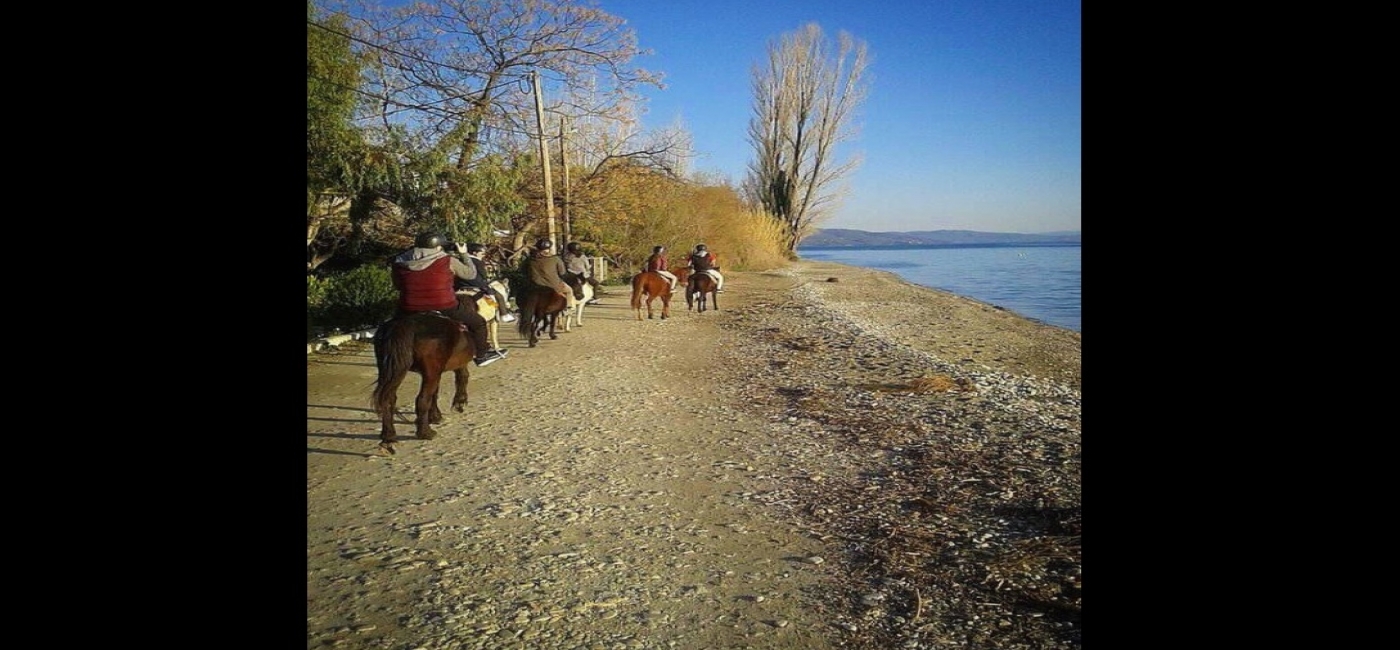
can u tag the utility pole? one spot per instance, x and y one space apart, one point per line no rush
564 162
544 158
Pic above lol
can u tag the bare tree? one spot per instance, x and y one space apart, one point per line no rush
451 78
454 68
805 100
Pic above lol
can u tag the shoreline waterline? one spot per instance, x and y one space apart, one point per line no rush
1038 282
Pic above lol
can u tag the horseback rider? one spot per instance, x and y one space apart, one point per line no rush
547 270
424 277
657 263
577 265
702 261
474 251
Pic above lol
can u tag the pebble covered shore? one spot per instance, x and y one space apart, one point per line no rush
857 463
958 428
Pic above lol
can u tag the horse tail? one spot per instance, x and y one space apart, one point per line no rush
393 354
526 322
637 291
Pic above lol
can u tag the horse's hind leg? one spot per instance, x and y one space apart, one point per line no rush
387 407
459 397
426 406
434 413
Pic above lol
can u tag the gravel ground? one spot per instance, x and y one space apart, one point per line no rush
858 463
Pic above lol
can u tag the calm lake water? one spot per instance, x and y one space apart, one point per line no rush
1037 282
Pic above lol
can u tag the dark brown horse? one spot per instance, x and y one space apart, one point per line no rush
700 286
540 308
651 285
429 344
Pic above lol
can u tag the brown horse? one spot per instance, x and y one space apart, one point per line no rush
701 285
682 275
429 344
539 310
652 285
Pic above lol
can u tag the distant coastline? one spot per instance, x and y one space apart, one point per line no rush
895 247
848 238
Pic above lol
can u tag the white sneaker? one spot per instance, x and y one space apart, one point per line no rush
507 318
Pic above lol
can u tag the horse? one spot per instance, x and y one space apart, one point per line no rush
539 311
489 310
682 275
700 284
429 344
573 315
652 285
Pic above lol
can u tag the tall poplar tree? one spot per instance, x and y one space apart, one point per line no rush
805 99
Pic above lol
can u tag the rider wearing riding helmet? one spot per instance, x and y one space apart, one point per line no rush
576 264
474 251
702 260
424 276
547 270
657 264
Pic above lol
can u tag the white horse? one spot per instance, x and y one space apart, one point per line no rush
489 310
573 314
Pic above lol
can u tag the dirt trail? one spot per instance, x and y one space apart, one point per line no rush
595 495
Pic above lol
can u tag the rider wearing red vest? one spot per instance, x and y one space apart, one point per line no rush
657 263
424 275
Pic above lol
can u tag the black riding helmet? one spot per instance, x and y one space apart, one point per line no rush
700 248
544 244
430 240
658 249
574 247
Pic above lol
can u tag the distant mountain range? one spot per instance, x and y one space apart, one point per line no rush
845 238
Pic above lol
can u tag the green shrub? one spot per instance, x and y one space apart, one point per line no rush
315 291
315 299
357 299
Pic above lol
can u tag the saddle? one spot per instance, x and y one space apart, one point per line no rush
478 295
460 325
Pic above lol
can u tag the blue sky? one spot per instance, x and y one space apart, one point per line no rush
972 121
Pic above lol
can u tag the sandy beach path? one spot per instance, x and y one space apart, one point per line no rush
752 477
598 493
